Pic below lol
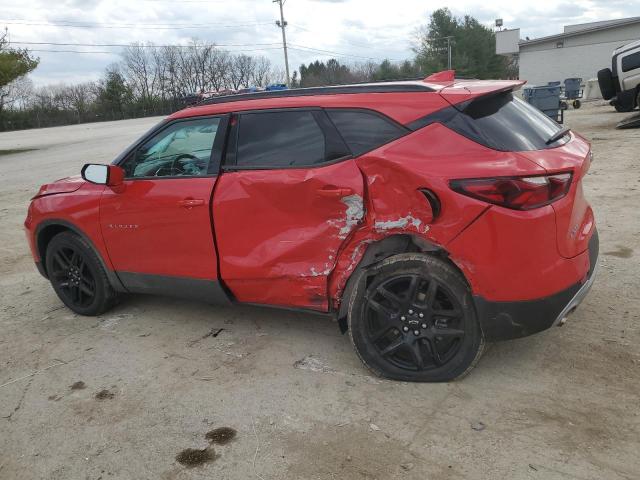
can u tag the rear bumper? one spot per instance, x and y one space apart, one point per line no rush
507 320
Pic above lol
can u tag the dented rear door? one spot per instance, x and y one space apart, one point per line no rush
290 195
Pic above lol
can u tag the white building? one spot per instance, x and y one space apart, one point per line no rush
580 51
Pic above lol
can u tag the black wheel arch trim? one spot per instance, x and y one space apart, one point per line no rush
112 276
375 253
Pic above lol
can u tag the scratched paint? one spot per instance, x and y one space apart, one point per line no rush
401 224
354 213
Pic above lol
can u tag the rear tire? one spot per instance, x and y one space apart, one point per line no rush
77 275
411 318
577 104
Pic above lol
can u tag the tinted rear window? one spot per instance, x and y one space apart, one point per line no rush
504 122
364 131
280 139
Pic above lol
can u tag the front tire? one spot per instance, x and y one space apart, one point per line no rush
77 276
411 318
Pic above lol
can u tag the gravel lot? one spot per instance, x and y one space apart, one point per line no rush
561 404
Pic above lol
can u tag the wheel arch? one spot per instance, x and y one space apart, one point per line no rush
382 249
48 229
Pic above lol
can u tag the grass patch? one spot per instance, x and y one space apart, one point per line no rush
16 150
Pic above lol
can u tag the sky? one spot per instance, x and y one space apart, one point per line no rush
351 30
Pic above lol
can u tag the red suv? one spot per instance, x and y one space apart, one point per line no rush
427 217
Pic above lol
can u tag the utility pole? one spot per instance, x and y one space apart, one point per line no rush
283 24
449 42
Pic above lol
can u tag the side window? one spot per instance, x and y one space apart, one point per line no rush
285 139
631 62
182 149
364 131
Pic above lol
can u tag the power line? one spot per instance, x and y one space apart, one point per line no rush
118 53
330 52
267 46
137 26
360 45
141 45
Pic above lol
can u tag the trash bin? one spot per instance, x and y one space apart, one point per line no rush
547 99
572 90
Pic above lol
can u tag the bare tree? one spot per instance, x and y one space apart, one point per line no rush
242 68
261 73
138 69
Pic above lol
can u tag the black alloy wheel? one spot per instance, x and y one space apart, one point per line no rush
414 321
77 275
412 318
72 276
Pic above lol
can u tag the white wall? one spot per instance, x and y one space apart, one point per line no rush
582 55
507 41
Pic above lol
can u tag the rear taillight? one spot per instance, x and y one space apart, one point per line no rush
518 193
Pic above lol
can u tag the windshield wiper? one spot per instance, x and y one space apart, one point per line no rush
558 135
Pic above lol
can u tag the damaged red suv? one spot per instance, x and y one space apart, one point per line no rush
427 217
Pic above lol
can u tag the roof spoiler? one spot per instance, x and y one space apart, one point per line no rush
445 76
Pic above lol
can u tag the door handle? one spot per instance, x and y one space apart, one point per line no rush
191 202
335 192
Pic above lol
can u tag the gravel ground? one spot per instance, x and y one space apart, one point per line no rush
120 396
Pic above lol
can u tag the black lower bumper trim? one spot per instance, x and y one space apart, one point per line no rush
507 320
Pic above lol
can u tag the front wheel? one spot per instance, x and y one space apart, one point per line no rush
412 318
77 276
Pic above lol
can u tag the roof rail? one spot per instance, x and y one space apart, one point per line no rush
334 90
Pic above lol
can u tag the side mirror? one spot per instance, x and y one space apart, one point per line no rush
110 175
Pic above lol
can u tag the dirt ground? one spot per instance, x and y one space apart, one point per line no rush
120 396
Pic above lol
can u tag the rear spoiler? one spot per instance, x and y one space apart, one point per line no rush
460 93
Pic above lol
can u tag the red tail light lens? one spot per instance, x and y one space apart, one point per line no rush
518 193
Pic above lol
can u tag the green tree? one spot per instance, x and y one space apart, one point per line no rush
389 71
473 51
14 64
320 73
113 94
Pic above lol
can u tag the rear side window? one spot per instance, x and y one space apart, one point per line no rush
284 139
631 62
364 131
504 122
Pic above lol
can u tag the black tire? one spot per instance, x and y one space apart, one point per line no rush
577 104
424 307
605 81
563 105
77 275
622 108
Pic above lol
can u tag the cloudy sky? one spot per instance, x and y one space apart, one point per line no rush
353 30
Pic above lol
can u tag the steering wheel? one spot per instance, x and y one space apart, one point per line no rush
175 169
